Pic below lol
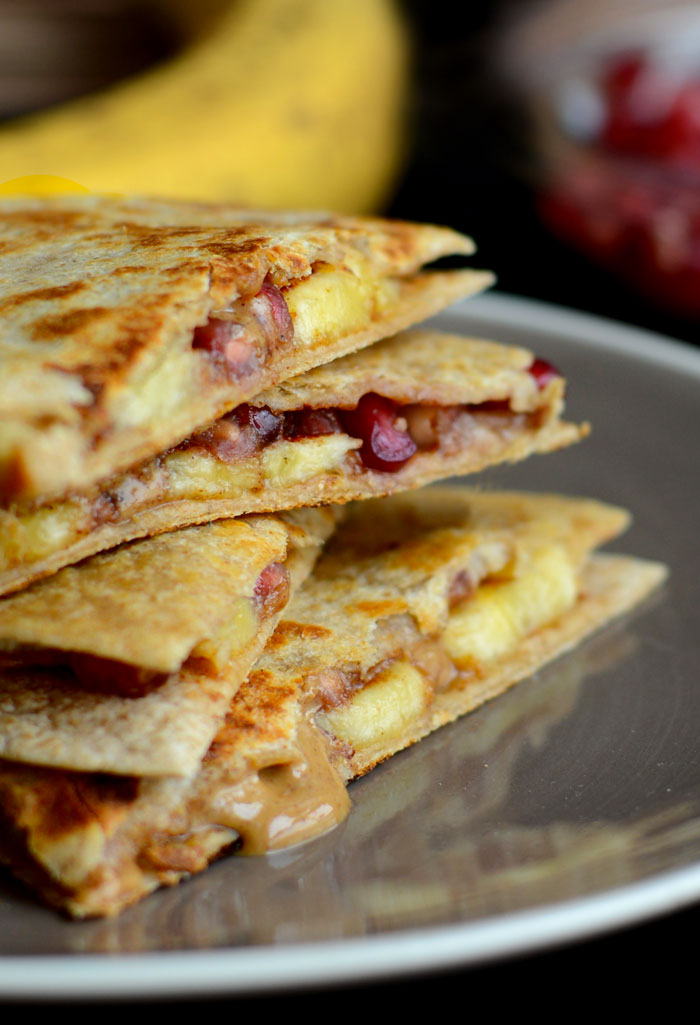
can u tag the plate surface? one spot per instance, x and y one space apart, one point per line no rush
569 806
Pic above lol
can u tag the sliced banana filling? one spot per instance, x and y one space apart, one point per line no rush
334 301
382 709
484 626
505 609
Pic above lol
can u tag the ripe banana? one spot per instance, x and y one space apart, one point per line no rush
286 103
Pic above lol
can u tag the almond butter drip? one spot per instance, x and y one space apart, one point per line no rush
287 804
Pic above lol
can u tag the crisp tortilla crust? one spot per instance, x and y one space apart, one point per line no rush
100 301
91 845
418 365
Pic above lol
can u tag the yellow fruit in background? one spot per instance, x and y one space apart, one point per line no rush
39 185
292 103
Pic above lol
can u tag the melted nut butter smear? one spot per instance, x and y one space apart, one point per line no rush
288 803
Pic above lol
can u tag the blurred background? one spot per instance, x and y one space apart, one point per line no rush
563 135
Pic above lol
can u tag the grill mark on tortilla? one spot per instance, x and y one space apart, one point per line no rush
252 711
60 324
149 237
379 608
139 268
231 249
288 629
69 800
43 294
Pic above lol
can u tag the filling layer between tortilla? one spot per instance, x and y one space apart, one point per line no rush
408 410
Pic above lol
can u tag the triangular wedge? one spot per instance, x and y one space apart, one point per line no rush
421 608
128 662
126 325
450 405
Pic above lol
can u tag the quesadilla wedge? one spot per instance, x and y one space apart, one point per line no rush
127 662
421 608
124 328
409 410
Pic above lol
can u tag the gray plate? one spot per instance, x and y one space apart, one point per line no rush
568 806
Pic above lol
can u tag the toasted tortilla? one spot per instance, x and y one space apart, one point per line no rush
101 365
182 606
499 413
381 595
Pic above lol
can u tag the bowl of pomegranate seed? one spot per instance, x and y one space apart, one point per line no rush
614 97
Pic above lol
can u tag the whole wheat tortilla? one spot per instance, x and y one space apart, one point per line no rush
99 300
418 366
91 845
147 604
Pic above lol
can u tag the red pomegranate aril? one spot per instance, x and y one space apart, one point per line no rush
241 433
543 372
280 311
311 423
266 424
213 335
224 340
384 447
271 590
650 113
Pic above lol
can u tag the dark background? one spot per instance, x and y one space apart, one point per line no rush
472 166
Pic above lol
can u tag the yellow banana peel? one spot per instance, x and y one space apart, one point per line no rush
283 103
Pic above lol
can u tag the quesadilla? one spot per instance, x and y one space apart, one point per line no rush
409 410
127 662
127 326
422 607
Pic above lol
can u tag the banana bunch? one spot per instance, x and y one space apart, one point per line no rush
286 103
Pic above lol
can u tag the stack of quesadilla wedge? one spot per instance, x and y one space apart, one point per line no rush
193 400
421 608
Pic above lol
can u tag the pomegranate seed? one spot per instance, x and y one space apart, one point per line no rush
225 341
213 335
241 433
651 114
384 447
266 424
311 423
279 309
543 372
271 590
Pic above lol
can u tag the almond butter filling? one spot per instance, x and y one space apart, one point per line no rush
286 803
